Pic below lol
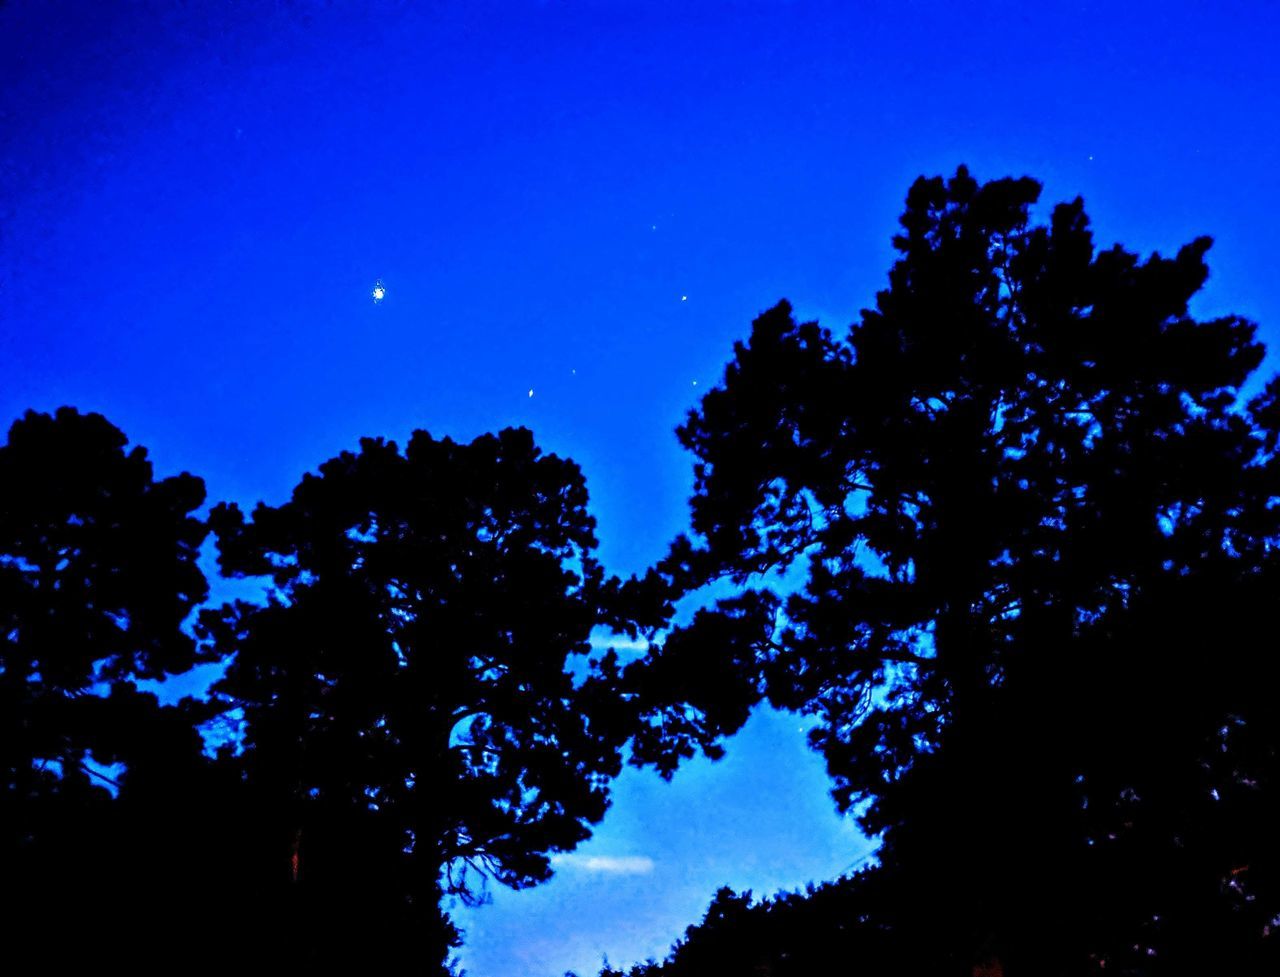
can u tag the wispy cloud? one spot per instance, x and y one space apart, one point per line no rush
609 864
620 642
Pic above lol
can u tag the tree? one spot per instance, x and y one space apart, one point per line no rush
98 573
419 712
1036 522
826 929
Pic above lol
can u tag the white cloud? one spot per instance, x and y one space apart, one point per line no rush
619 642
609 864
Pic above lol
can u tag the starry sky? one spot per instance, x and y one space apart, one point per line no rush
572 209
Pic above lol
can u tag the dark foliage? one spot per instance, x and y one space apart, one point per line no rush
825 930
1037 523
97 574
419 714
419 710
1034 518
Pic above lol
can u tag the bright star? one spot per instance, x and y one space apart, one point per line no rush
379 291
684 298
531 393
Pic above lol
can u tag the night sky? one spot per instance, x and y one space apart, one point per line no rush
574 209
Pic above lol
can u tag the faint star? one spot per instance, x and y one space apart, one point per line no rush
379 291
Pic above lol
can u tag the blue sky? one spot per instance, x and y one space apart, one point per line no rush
589 200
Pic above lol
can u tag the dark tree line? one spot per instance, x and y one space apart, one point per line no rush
1035 515
418 707
413 722
1037 518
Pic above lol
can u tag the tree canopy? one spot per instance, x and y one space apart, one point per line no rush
98 572
1035 518
419 711
1011 540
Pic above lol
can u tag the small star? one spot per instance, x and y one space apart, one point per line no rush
684 298
1091 159
695 383
379 291
530 391
653 227
574 372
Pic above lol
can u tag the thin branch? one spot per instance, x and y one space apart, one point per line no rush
103 777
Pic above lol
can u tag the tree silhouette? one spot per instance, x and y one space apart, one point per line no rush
97 575
419 715
827 929
1036 524
1033 517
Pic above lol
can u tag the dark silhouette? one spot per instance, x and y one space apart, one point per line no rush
419 711
1035 521
414 721
97 574
1038 524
